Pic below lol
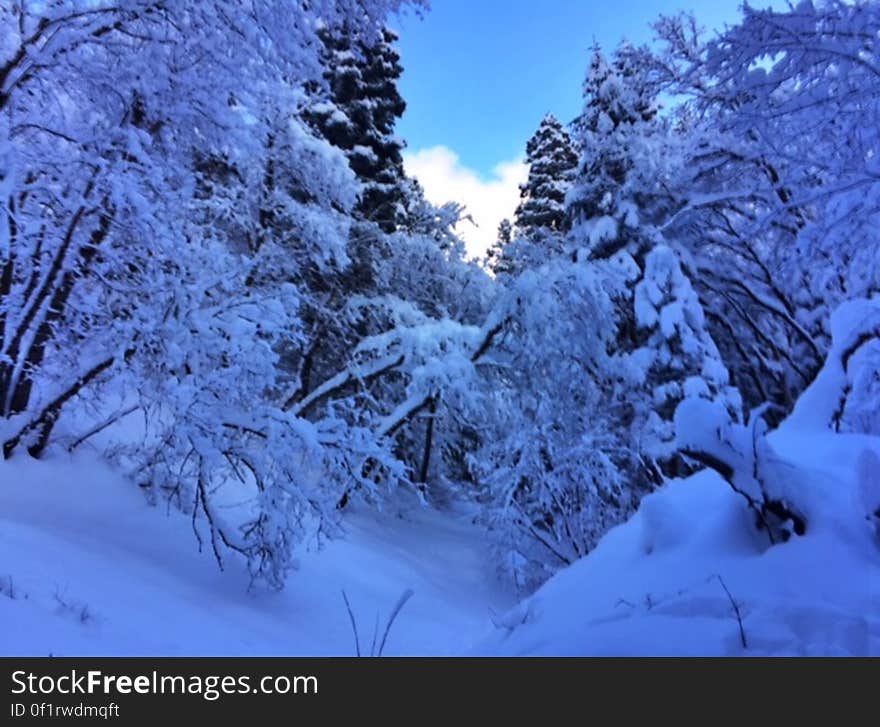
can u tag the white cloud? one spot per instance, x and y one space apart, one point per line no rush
488 201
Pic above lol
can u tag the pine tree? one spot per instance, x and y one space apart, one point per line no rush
661 350
358 116
618 110
355 110
552 162
496 256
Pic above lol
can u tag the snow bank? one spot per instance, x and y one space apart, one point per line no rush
658 584
690 574
87 568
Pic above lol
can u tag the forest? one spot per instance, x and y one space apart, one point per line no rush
222 292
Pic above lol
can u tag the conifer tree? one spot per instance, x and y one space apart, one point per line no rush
661 352
676 358
505 231
497 256
552 162
358 115
619 108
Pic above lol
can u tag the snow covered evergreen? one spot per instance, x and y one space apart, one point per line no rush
552 161
619 109
358 115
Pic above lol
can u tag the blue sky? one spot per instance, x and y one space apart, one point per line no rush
480 74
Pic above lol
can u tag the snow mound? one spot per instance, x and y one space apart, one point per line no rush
671 580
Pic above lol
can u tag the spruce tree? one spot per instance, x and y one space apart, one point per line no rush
676 358
661 352
358 115
619 109
552 163
497 256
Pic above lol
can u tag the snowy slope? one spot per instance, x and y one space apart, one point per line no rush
656 584
96 571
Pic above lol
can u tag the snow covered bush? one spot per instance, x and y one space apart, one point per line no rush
838 400
745 459
845 395
551 468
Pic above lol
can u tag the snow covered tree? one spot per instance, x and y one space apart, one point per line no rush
676 357
552 161
153 253
422 218
777 192
611 131
660 349
359 114
505 231
540 220
497 255
551 465
205 226
355 108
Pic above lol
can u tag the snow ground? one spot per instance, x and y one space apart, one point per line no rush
74 536
95 571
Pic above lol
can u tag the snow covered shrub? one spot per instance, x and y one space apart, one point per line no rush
842 398
845 395
552 503
551 466
743 456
